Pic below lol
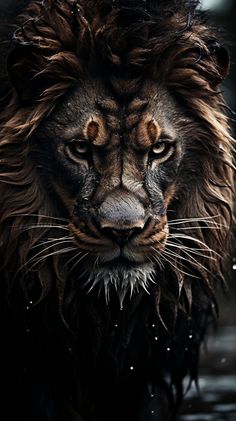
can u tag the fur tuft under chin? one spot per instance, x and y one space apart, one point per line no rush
125 280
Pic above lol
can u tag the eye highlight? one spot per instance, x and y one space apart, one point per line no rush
162 150
77 149
159 148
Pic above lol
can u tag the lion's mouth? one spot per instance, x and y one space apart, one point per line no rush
134 252
122 263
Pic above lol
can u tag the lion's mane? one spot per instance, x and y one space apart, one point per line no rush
55 44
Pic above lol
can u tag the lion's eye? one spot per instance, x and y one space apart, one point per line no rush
162 150
77 149
159 148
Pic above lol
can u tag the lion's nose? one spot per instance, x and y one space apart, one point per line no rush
121 216
121 236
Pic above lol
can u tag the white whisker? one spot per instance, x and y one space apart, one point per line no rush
44 216
191 261
186 220
190 238
53 240
190 250
78 261
40 253
194 228
42 258
169 258
173 263
37 226
73 258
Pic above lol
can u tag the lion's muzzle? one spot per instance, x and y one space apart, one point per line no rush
120 228
121 217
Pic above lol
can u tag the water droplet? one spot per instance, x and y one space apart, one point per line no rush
152 412
131 367
151 395
29 305
186 348
168 349
156 338
153 325
116 325
190 336
223 360
234 267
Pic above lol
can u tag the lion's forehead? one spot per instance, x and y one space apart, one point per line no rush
94 114
138 130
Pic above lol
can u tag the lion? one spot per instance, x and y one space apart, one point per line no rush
116 186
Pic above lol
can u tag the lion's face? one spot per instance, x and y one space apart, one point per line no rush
115 171
114 167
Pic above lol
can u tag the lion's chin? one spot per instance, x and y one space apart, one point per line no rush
125 278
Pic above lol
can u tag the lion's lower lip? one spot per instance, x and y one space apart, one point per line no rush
122 263
123 257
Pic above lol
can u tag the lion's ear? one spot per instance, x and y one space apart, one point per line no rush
222 59
23 68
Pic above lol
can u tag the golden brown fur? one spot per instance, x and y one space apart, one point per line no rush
174 58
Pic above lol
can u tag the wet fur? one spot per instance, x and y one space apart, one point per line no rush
56 44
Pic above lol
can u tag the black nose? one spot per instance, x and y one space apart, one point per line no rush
121 236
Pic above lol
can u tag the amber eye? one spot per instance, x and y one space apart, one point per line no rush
77 149
162 150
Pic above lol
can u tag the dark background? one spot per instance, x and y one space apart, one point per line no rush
224 13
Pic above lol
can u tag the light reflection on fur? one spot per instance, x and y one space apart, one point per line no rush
123 279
